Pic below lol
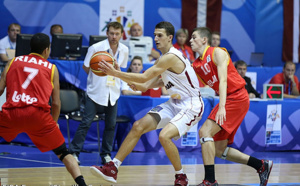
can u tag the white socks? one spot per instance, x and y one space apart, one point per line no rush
179 172
117 162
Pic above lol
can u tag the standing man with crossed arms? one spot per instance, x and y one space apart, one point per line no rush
215 68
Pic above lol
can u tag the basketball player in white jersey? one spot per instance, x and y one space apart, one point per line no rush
176 116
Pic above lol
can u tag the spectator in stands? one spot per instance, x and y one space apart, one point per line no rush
288 79
136 66
102 92
8 43
137 31
241 67
181 38
56 29
215 39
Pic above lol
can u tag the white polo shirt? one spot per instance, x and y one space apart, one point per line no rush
5 43
97 88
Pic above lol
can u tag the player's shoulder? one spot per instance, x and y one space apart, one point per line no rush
168 57
219 49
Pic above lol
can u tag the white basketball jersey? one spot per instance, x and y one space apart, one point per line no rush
183 85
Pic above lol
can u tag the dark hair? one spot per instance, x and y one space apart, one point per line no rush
13 24
169 28
204 32
115 25
135 57
55 25
240 62
288 62
39 42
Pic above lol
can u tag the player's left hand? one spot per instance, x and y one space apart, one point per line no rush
133 87
106 67
116 65
221 116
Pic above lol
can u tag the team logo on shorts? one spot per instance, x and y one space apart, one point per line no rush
156 109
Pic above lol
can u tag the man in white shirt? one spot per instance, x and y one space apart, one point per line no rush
9 42
103 93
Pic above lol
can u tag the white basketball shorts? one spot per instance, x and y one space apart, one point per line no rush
184 113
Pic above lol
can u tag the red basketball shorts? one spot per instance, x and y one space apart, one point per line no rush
237 106
36 122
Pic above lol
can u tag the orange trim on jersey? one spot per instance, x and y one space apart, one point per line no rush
212 58
201 79
204 52
52 75
37 55
227 54
10 64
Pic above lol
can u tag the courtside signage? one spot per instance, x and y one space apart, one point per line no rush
273 91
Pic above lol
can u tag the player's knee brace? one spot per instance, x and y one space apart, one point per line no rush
62 151
203 140
224 155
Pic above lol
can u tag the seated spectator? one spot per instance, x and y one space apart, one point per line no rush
181 38
8 43
136 66
241 67
288 79
56 29
215 39
137 31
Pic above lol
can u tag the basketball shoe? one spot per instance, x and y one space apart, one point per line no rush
264 172
108 172
207 183
181 180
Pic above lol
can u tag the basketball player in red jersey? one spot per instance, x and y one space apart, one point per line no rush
215 68
30 81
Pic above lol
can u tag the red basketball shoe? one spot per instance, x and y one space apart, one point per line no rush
181 180
108 172
264 172
207 183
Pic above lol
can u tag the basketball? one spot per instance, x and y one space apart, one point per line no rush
96 58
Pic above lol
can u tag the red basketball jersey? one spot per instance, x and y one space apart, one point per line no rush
207 71
29 81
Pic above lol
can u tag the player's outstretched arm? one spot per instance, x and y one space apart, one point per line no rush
153 83
157 69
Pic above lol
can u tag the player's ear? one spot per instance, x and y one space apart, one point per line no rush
205 40
171 37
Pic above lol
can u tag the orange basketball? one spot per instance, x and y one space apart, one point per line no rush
96 58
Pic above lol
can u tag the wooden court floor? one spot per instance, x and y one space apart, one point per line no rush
226 174
22 165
